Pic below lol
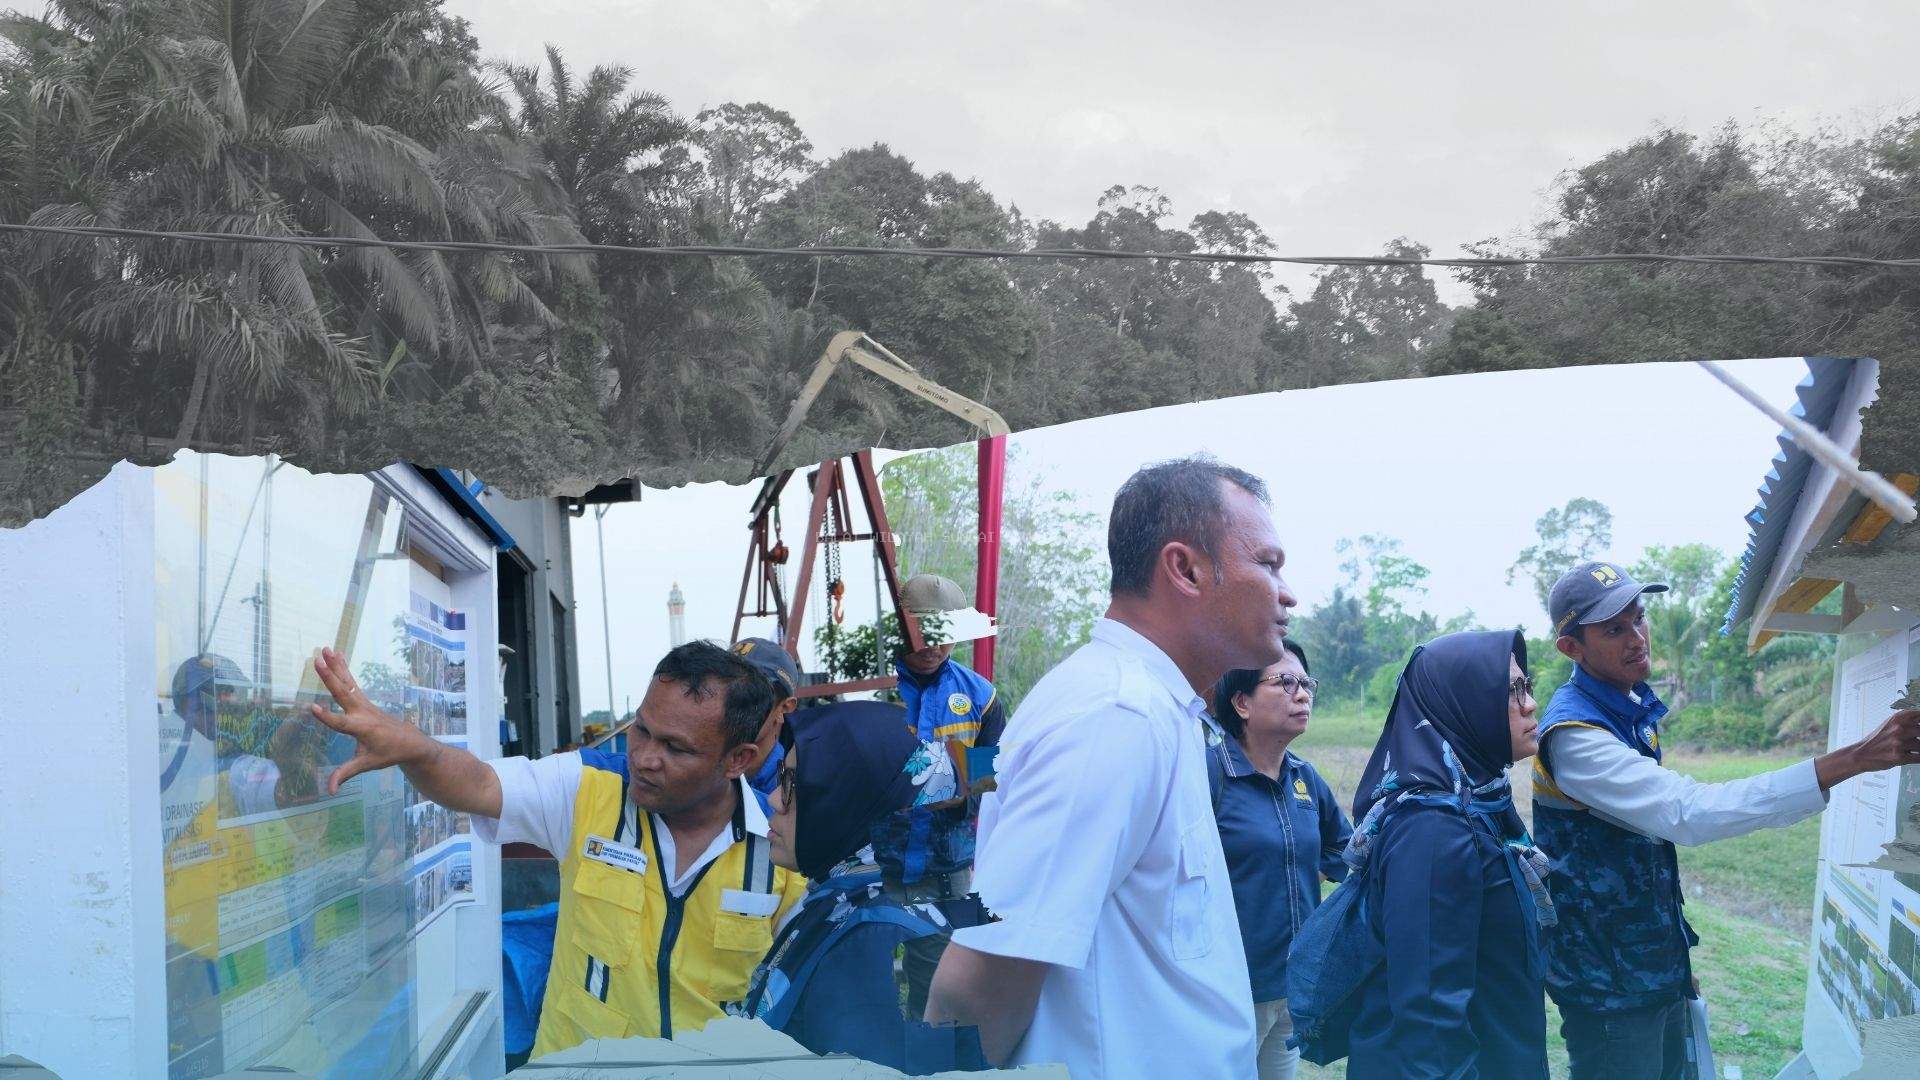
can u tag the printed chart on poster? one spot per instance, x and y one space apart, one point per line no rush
439 841
1867 948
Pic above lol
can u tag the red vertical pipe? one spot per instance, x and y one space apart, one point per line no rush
993 470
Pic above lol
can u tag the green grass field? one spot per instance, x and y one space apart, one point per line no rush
1750 899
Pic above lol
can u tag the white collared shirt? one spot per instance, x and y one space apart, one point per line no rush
536 807
1098 853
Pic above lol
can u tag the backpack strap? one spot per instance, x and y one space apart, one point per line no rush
888 914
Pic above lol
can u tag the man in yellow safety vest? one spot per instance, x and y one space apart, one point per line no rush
668 895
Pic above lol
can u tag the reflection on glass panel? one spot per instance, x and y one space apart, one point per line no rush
289 911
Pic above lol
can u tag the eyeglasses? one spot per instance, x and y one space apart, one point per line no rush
783 778
1521 688
1291 684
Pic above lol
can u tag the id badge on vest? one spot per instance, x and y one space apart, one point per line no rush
615 854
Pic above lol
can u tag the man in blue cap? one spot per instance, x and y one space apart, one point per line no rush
784 674
1608 815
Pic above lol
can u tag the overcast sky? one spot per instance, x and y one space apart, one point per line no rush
1458 469
1336 126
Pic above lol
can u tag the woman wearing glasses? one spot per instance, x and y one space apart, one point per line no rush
829 979
1455 892
1281 829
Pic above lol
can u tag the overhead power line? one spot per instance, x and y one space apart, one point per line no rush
728 251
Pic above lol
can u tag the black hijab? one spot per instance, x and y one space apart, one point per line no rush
856 765
1447 731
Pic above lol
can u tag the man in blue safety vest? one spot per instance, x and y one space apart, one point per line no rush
1608 816
925 853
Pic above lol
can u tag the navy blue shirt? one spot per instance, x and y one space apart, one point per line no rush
1279 838
1459 995
853 1004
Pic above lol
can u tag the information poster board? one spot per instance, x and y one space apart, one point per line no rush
1866 956
292 913
439 841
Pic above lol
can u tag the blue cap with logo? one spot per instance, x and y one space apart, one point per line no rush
1593 592
773 661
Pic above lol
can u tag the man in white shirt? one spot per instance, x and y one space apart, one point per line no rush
1608 815
1114 946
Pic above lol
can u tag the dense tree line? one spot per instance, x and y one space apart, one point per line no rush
1053 576
1361 635
383 118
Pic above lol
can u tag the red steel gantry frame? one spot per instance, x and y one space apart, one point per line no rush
766 552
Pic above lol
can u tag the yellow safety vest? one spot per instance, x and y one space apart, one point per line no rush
629 959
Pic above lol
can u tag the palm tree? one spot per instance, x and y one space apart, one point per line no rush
1795 681
685 339
238 116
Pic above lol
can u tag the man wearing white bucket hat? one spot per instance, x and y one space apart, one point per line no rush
926 853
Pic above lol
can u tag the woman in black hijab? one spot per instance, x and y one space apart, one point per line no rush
1455 890
829 980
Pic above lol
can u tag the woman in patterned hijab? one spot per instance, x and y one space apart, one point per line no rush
1455 890
829 980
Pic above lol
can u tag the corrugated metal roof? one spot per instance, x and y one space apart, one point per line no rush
1818 397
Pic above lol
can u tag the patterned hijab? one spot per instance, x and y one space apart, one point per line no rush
1447 734
857 762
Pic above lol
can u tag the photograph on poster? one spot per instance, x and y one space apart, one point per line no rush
438 839
1866 982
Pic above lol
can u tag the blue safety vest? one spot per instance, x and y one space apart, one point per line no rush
916 843
1622 941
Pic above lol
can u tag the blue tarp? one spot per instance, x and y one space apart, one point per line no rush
526 946
379 1052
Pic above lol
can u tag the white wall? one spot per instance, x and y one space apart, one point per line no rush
82 964
542 530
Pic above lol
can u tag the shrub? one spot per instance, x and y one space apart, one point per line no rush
1378 693
1723 727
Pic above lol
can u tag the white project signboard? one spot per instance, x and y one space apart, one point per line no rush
1866 947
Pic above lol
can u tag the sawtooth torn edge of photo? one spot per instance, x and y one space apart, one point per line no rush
1888 1048
773 1054
1889 444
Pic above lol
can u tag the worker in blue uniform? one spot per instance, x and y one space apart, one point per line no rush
1281 829
1455 895
925 853
829 980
